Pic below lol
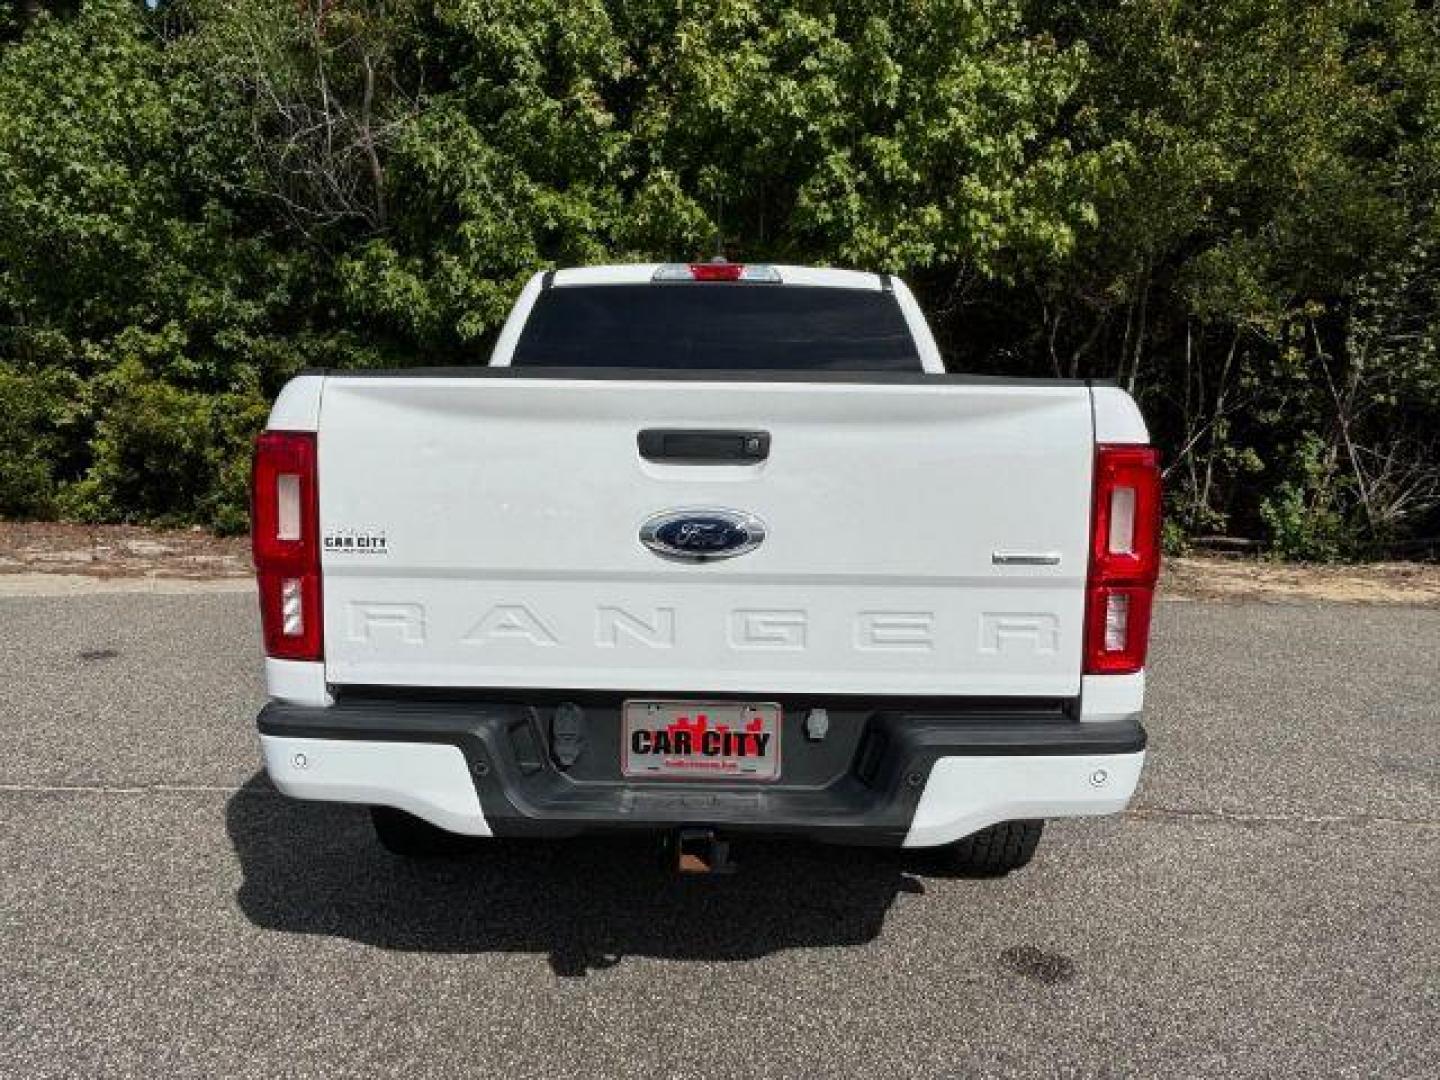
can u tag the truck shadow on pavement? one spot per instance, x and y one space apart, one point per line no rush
316 868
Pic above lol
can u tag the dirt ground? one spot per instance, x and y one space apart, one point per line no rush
132 551
1229 578
121 551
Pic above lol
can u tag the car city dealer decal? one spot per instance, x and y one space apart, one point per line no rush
702 534
356 542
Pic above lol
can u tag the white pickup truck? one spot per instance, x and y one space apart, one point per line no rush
707 549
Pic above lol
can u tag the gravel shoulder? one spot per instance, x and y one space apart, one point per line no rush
1219 578
120 551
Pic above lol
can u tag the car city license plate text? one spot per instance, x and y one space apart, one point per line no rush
701 739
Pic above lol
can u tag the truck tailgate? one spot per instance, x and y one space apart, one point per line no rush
484 531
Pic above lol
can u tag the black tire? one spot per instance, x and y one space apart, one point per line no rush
410 837
995 851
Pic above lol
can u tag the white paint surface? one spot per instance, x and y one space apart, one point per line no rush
966 794
428 780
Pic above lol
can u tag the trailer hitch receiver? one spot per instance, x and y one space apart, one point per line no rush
700 851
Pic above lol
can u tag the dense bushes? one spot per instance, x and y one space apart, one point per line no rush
1231 208
34 409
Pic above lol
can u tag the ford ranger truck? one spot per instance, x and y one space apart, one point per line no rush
707 550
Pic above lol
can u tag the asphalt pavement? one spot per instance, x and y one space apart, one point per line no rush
1270 906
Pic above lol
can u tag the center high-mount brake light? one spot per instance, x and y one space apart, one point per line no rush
716 271
1124 559
284 526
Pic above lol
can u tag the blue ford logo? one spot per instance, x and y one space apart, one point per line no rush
701 535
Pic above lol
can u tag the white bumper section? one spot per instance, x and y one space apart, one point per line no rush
428 780
965 794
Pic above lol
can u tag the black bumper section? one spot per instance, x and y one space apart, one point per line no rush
860 784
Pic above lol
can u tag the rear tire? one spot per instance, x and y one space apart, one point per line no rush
411 837
995 851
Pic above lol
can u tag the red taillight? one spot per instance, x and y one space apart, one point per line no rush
1124 559
284 537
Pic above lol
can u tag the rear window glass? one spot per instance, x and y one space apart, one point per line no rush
721 326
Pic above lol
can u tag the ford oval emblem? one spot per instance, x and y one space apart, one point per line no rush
701 535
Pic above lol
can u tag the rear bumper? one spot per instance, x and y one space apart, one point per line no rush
911 776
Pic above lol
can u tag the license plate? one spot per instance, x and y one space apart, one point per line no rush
703 740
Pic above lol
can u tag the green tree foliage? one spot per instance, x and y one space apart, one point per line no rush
1266 266
1230 208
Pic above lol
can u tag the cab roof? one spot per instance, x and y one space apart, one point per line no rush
644 273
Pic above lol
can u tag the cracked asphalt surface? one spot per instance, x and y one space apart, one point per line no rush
1270 906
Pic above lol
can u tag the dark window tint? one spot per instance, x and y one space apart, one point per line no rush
720 326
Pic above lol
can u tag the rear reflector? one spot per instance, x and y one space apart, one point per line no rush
1117 621
1124 559
1117 631
284 527
292 608
715 271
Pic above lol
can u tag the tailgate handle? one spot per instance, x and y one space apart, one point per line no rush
705 446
